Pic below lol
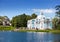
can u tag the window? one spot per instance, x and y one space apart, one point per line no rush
43 17
33 21
37 21
33 26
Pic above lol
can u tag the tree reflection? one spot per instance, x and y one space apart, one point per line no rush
56 41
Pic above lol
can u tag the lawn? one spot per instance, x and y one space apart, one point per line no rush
52 31
10 28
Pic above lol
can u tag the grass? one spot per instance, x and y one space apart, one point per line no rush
6 28
52 31
55 31
10 28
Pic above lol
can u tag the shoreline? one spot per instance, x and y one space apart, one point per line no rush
48 31
52 31
13 29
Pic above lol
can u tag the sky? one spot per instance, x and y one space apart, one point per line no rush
12 8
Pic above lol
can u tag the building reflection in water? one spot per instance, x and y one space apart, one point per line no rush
41 37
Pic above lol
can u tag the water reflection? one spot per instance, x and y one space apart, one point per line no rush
42 37
56 41
29 37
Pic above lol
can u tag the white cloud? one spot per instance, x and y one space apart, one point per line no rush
44 10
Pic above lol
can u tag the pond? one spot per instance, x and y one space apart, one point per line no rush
29 37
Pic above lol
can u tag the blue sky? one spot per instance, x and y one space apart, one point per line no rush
12 8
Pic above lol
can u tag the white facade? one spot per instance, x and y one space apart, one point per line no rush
39 23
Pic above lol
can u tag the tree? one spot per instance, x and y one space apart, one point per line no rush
13 21
1 22
28 17
33 16
58 16
58 11
19 21
1 18
55 22
47 22
23 20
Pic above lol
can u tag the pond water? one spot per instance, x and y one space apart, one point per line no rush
29 37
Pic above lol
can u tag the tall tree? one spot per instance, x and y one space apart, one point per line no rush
58 17
33 16
19 21
28 17
58 11
55 22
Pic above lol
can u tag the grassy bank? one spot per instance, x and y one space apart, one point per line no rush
52 31
55 31
10 28
6 28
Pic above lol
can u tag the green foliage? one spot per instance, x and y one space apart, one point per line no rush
56 23
6 28
58 26
33 16
58 11
21 20
28 17
56 20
